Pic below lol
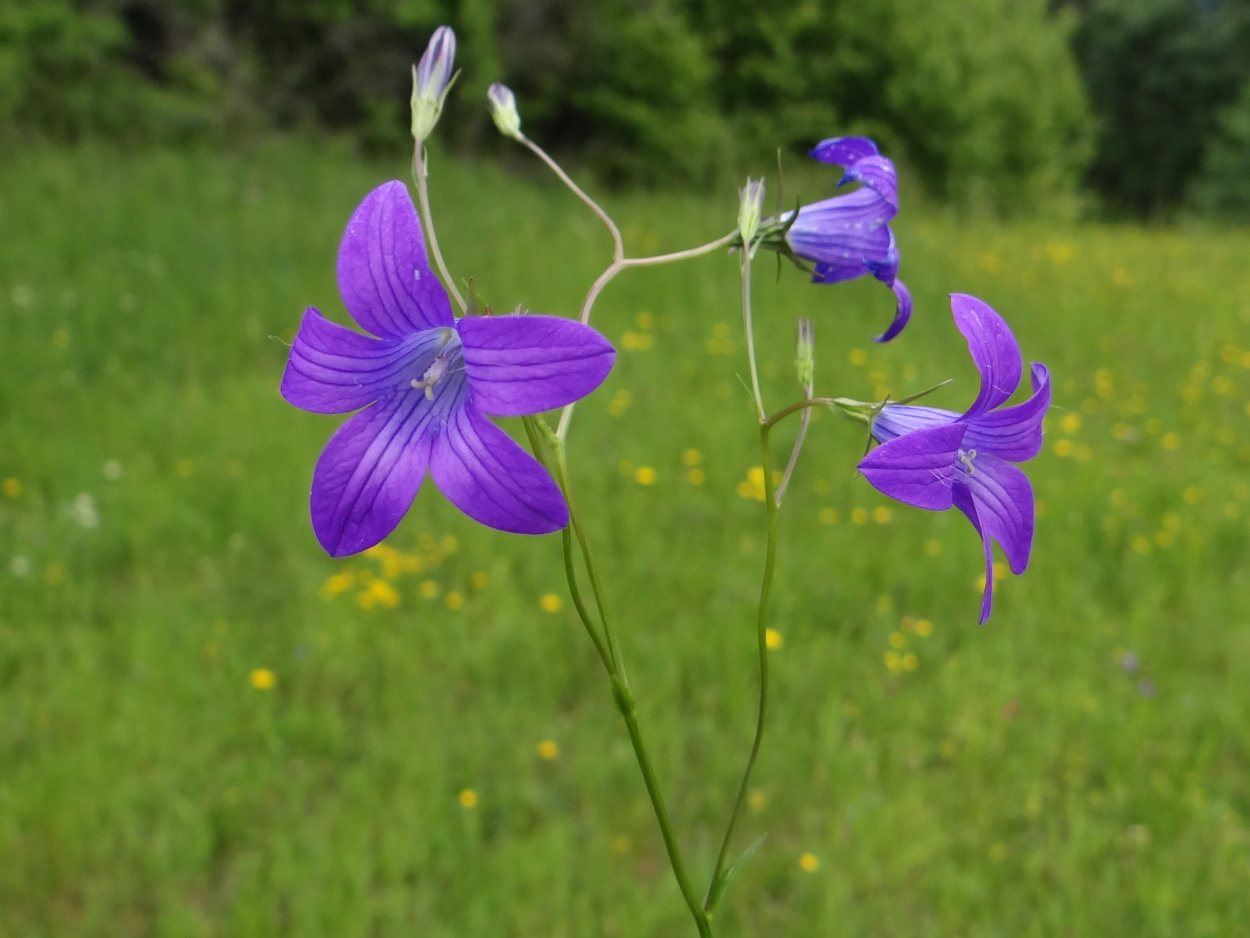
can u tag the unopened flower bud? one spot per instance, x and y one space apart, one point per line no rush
503 110
805 354
750 208
431 80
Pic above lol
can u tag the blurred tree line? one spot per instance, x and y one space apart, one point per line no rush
1009 105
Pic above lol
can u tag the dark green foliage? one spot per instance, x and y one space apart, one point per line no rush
1159 75
981 99
1223 185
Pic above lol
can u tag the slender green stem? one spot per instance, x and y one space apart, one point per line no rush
761 639
423 197
625 704
570 571
610 655
617 666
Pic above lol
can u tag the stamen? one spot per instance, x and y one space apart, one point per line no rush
966 457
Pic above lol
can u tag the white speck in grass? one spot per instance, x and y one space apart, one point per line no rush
83 512
111 470
20 566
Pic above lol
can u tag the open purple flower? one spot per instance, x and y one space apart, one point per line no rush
848 235
425 384
933 458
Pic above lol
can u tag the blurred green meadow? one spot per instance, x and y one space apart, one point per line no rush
208 727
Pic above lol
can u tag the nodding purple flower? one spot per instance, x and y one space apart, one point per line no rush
425 385
848 235
933 458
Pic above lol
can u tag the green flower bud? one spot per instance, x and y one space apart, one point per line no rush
431 80
503 110
750 208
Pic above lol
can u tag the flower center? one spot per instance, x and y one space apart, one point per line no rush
433 375
965 458
444 364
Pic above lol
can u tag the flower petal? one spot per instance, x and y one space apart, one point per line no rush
993 348
527 364
384 275
333 370
1013 433
902 311
844 151
918 468
963 500
898 419
369 473
492 480
998 499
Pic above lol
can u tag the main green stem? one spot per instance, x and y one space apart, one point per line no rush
610 655
715 886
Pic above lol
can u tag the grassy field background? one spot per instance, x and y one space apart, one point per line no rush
207 727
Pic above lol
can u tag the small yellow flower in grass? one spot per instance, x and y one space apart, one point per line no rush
479 579
185 468
262 679
691 456
453 600
632 341
1171 440
1063 448
621 845
467 799
857 356
1070 423
428 589
547 750
644 475
618 403
998 851
1140 544
719 343
809 863
54 575
11 487
827 516
643 319
550 602
932 547
859 516
773 639
909 662
923 628
757 799
882 514
1191 494
338 583
695 476
893 661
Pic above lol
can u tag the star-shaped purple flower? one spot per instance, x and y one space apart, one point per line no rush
848 235
425 384
934 458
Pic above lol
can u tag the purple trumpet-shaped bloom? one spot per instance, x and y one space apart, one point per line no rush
425 385
934 458
848 235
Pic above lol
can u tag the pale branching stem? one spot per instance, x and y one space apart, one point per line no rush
423 197
750 335
621 263
618 246
805 417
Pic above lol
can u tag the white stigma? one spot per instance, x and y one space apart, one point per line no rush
965 457
433 375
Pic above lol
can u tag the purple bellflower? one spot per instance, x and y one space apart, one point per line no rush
848 235
933 458
425 384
